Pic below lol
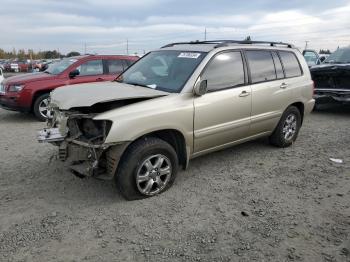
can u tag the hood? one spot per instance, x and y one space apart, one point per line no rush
29 77
86 95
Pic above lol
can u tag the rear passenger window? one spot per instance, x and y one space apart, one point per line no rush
290 64
278 65
129 62
224 71
261 66
115 66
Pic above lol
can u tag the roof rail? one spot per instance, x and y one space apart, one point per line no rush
221 43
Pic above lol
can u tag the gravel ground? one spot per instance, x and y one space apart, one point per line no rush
252 202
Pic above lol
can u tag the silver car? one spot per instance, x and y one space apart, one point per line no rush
176 103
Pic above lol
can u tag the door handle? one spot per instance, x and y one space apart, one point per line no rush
99 79
283 86
244 93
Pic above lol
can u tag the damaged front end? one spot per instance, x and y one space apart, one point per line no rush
81 142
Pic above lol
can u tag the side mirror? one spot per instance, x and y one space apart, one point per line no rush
201 87
74 73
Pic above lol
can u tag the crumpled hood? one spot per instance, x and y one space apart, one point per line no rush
86 95
23 78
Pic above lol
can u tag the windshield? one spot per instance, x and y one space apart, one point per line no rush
340 56
163 70
58 67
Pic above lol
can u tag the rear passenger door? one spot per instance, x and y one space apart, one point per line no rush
114 67
222 115
271 87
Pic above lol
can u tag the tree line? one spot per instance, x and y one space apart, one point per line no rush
22 54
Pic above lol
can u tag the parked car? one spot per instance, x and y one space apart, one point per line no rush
24 66
2 65
312 57
1 76
30 92
323 57
176 103
14 67
332 78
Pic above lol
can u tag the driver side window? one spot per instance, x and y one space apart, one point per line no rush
224 71
93 67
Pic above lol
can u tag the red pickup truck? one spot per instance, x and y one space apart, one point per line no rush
30 92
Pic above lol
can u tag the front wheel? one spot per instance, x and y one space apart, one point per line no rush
40 107
287 129
148 167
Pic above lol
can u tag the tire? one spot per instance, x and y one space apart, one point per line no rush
37 107
281 138
133 166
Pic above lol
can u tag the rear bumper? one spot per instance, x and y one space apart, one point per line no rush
309 106
329 95
11 103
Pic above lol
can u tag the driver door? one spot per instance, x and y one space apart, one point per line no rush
90 71
222 115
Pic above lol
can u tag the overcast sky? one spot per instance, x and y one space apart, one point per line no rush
105 25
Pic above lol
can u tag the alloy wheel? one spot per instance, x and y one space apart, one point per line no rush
153 174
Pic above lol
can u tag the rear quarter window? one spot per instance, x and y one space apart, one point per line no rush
290 64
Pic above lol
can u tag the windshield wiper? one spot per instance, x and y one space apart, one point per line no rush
136 84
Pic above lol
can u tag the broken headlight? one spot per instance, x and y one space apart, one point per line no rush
89 130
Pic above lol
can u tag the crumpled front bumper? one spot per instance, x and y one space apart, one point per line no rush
85 159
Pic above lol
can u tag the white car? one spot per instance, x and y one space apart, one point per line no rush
14 67
1 76
2 89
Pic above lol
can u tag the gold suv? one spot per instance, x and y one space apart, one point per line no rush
176 103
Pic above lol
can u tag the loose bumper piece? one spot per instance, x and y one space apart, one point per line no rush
50 135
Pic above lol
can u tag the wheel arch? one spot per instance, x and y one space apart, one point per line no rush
172 136
301 109
37 94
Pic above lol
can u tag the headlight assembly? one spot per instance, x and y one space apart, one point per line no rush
16 88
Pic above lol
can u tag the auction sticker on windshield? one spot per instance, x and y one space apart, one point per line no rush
189 55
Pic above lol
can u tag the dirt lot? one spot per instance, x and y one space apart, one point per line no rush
295 203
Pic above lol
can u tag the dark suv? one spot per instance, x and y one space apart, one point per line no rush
30 92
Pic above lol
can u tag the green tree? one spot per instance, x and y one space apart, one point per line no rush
72 53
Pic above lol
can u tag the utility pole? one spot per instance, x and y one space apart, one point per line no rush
84 48
306 44
205 34
127 46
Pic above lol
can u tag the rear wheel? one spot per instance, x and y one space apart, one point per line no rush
40 107
287 129
148 167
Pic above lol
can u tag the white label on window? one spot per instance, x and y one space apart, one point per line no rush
189 55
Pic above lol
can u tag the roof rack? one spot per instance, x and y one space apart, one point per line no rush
221 43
